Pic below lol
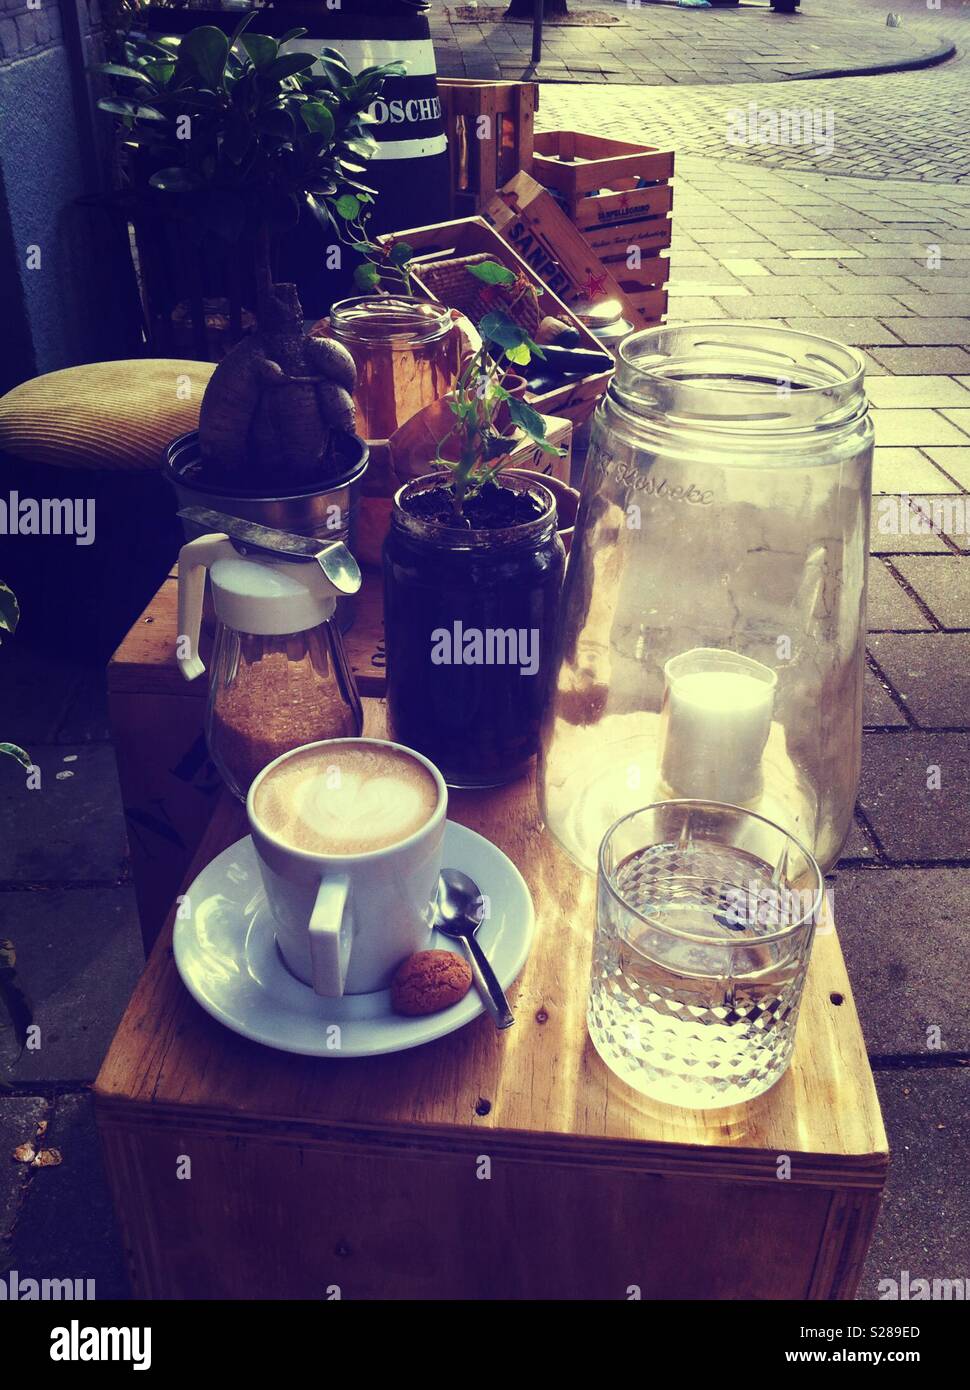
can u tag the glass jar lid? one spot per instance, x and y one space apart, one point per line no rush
396 321
739 378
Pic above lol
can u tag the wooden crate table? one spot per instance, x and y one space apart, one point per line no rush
486 1164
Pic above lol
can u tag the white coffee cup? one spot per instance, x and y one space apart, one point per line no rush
345 921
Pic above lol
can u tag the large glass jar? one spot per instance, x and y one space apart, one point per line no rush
407 353
711 639
469 622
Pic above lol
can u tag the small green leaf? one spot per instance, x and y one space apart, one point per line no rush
401 253
520 356
206 49
492 274
366 277
131 109
318 117
527 419
348 207
287 65
292 34
118 70
13 750
261 48
499 329
175 180
9 609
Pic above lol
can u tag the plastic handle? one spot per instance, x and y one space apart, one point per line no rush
331 935
194 559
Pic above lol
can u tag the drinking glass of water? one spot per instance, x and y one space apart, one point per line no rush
704 924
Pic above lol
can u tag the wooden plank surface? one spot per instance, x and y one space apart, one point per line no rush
538 1088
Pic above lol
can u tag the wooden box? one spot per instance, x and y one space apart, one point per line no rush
489 126
485 1165
575 164
528 217
469 236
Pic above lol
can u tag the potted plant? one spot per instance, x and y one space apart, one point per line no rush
472 573
244 139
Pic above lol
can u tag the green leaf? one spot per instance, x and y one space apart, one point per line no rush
401 253
292 34
499 329
492 274
206 48
261 48
348 207
175 180
13 750
117 70
287 65
318 117
131 109
527 419
520 356
367 277
9 609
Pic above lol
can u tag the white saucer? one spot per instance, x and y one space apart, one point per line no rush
226 954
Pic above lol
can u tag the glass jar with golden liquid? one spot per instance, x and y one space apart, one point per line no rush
407 352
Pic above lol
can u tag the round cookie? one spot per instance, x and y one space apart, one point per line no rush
429 981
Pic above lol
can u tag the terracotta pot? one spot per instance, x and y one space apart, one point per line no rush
567 501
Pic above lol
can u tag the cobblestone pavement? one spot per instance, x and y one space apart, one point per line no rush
660 45
903 125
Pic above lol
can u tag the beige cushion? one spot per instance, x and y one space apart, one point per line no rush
115 415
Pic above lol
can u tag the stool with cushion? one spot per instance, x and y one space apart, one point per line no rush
95 432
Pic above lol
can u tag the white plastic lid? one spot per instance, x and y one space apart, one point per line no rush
270 597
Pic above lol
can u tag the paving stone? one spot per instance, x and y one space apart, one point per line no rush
907 470
941 330
851 306
917 427
907 392
889 607
71 827
79 955
879 711
36 688
67 1228
904 934
930 671
943 583
19 1118
960 418
860 844
936 305
955 462
855 332
924 1224
911 820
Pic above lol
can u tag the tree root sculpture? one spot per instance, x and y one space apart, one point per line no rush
276 404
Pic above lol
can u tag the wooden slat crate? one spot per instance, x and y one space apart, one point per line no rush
312 1174
489 126
575 164
530 219
467 236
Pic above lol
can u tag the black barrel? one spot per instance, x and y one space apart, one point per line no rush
410 170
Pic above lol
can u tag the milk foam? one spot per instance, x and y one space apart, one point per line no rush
346 799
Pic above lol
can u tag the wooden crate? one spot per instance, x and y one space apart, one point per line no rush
528 217
489 126
366 1175
575 164
468 236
